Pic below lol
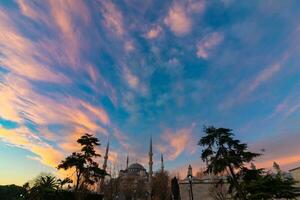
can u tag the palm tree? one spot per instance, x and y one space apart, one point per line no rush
44 187
46 182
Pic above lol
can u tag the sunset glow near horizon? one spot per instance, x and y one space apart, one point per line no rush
129 69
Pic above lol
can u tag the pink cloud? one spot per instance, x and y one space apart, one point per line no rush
131 79
247 87
154 32
121 137
113 18
129 46
20 56
27 8
176 142
265 75
179 17
287 158
20 103
178 20
207 44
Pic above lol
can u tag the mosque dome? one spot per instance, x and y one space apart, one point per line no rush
136 167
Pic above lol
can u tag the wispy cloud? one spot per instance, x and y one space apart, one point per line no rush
20 56
286 157
176 142
122 138
20 103
247 87
23 138
112 17
208 43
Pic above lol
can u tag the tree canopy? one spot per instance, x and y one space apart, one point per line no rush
86 169
223 154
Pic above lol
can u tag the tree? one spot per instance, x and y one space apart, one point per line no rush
12 192
44 187
161 183
222 153
87 170
218 190
111 188
175 189
262 184
62 182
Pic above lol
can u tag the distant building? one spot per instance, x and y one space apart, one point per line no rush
199 188
296 175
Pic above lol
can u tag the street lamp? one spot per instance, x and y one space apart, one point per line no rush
190 177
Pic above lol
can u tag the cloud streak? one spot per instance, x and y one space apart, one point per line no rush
207 44
176 142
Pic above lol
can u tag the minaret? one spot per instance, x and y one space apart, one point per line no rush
104 167
162 163
150 169
106 156
150 161
190 171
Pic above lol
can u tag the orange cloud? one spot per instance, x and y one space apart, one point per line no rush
176 142
23 138
284 161
154 32
19 96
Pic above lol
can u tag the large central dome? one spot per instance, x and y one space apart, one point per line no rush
136 167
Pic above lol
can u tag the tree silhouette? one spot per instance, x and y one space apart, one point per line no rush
44 187
175 189
161 183
86 169
222 153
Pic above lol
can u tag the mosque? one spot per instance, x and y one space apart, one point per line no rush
134 178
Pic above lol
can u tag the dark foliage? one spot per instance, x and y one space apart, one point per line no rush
160 188
225 155
175 189
12 192
87 170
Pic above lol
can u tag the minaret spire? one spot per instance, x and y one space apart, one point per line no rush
150 168
127 162
150 160
162 163
106 156
104 166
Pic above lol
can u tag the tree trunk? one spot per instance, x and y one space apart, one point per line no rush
77 180
240 193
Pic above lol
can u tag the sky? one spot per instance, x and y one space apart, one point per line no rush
126 70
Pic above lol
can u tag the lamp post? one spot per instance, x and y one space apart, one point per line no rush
190 177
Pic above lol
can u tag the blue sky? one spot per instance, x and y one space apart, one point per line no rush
126 70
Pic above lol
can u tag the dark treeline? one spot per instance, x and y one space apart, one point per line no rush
227 160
